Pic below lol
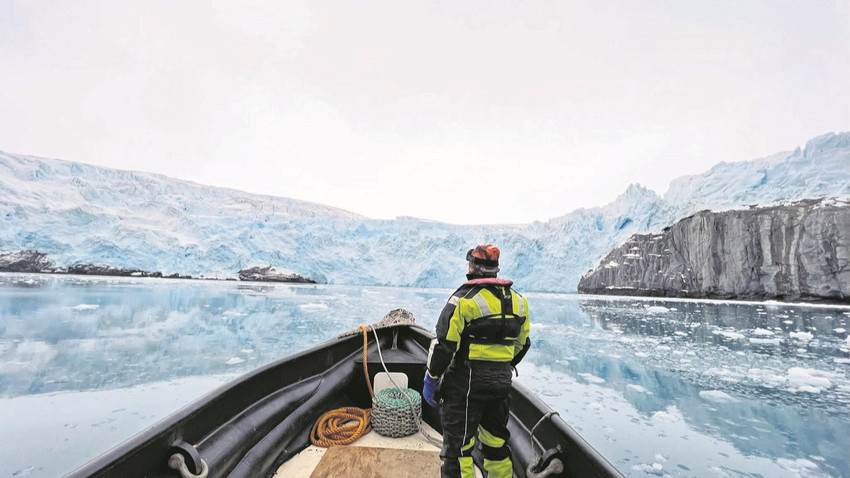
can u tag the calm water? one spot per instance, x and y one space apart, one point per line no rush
660 387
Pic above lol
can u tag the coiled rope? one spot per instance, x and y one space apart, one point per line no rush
391 412
336 428
395 397
341 426
416 417
345 425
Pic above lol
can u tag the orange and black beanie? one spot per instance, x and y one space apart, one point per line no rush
486 255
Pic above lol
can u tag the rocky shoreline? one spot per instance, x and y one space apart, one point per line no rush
27 261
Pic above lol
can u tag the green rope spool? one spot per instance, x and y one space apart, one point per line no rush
392 415
394 398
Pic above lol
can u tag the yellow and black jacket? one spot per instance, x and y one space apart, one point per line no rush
484 320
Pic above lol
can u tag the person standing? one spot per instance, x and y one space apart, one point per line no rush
482 334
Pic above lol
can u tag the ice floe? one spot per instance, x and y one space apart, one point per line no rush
799 377
84 307
802 336
717 396
638 389
313 306
591 378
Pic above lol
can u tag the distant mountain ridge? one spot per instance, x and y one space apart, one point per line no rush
78 213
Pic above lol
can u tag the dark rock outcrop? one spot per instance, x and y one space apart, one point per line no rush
37 262
25 261
99 270
798 251
269 274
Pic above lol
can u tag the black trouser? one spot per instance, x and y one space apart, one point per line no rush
476 401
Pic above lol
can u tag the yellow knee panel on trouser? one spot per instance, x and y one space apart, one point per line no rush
467 467
499 469
489 439
495 469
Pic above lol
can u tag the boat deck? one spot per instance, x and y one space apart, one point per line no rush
244 427
372 455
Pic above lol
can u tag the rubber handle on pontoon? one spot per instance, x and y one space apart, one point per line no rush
190 455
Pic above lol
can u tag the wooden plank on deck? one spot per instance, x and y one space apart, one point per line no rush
360 461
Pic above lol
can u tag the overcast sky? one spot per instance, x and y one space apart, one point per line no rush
458 111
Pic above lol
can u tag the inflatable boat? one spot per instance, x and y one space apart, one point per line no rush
264 422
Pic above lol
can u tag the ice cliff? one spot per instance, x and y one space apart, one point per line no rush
787 251
77 213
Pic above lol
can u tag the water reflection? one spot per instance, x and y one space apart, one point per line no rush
81 333
712 387
775 328
772 380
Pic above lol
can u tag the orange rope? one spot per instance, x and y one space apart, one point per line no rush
366 359
345 425
341 426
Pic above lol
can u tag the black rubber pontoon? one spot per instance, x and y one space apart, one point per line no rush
250 426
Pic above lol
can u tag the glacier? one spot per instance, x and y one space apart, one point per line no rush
78 213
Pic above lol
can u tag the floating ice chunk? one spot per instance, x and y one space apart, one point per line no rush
799 377
717 396
313 306
641 355
669 416
729 334
804 336
724 374
653 469
233 313
234 361
766 377
839 330
842 360
84 307
763 332
591 378
638 389
808 389
754 340
656 309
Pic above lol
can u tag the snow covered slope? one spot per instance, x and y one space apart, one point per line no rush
78 213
